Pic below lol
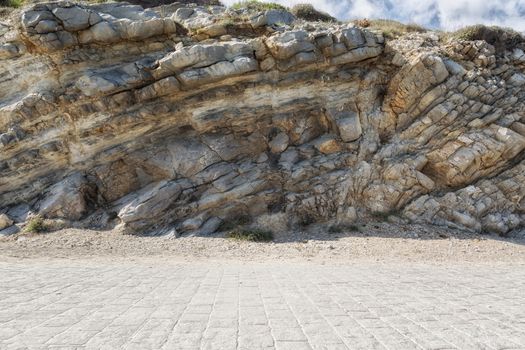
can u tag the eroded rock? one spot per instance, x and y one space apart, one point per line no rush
180 118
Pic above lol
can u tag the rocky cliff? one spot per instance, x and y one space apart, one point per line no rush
180 117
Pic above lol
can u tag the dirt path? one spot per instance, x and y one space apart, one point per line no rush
373 242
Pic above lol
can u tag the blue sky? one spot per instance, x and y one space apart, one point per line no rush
438 14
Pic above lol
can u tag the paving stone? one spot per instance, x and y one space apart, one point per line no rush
232 306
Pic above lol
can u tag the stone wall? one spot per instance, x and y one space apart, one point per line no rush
181 117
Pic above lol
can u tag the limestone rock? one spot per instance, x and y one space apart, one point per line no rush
218 71
279 143
69 199
272 17
5 221
283 46
11 230
178 118
348 125
327 145
151 201
72 18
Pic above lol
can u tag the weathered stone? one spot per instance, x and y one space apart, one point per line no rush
279 143
278 17
193 224
352 37
288 44
73 18
327 144
151 201
213 30
5 221
272 17
8 51
198 55
141 30
517 79
68 199
102 32
218 71
349 127
319 123
32 18
357 55
11 230
347 216
46 26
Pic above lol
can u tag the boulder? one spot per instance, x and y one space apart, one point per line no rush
352 37
8 51
279 143
349 126
69 199
271 18
73 18
102 32
151 202
46 26
288 44
5 221
30 19
517 79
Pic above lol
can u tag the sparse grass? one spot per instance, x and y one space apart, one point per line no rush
501 38
255 5
252 235
36 225
342 228
310 13
11 3
391 29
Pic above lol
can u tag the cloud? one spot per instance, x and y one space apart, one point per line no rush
437 14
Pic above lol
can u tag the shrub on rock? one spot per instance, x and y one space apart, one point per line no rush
36 225
310 13
501 38
390 28
255 5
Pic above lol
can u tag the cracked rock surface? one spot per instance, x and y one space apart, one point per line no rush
173 119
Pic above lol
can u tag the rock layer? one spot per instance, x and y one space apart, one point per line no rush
171 119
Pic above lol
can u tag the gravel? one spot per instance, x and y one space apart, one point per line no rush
372 242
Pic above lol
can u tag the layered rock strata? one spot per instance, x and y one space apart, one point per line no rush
176 118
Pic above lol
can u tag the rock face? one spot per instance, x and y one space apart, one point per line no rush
174 118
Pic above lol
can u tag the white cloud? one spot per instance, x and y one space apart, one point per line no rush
442 14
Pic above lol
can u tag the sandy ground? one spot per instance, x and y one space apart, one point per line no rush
380 242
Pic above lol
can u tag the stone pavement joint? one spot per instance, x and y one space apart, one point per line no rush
143 305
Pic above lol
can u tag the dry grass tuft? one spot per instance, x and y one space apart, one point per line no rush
501 38
391 29
255 5
310 13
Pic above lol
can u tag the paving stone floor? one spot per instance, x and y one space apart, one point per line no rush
167 305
